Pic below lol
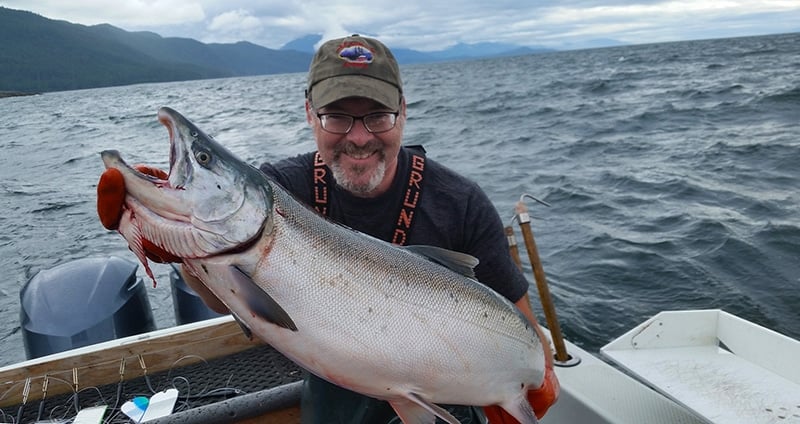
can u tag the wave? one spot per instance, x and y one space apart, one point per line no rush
788 97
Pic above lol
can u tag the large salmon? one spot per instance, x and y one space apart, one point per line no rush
378 319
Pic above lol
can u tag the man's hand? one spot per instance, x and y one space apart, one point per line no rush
111 204
541 400
544 397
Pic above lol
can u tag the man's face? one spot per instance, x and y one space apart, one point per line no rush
362 162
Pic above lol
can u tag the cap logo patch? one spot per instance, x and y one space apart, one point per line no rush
355 54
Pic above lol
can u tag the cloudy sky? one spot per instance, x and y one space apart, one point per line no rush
432 24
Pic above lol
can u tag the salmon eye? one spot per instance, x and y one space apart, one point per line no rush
203 158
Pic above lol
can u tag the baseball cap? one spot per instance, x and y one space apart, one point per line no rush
354 66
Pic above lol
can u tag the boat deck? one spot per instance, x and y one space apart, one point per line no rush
201 384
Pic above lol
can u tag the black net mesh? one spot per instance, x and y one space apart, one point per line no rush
199 384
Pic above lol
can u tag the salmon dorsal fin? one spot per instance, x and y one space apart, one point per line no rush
461 263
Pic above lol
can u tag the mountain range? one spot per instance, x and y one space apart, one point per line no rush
38 54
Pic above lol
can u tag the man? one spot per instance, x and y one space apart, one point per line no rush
362 176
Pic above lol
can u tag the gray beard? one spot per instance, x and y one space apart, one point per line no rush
362 189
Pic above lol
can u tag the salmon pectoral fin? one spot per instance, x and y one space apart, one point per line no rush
416 410
245 329
259 302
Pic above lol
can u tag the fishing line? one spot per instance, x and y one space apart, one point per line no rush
222 391
75 381
25 392
6 418
119 390
63 408
116 410
204 393
55 409
13 386
185 358
184 404
6 393
188 393
40 412
70 405
99 394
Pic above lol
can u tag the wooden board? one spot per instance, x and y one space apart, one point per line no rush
125 358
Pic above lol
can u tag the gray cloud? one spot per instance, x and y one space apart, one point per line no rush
432 25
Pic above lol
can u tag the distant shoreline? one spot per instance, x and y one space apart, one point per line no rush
15 94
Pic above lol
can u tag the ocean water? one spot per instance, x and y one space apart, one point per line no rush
671 171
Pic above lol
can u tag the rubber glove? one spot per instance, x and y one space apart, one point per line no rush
111 203
541 400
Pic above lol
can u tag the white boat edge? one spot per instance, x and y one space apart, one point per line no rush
594 391
720 366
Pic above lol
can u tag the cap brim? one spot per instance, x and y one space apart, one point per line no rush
341 87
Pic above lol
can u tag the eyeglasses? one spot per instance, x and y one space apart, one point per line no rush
341 123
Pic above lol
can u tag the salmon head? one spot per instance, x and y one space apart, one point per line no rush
210 203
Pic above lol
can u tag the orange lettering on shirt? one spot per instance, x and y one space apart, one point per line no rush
414 179
399 237
404 220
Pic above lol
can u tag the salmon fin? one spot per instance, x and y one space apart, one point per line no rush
131 232
461 263
245 329
261 304
416 410
520 408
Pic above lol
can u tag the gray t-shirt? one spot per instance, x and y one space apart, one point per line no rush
452 212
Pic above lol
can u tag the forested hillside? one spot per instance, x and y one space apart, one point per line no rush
39 54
